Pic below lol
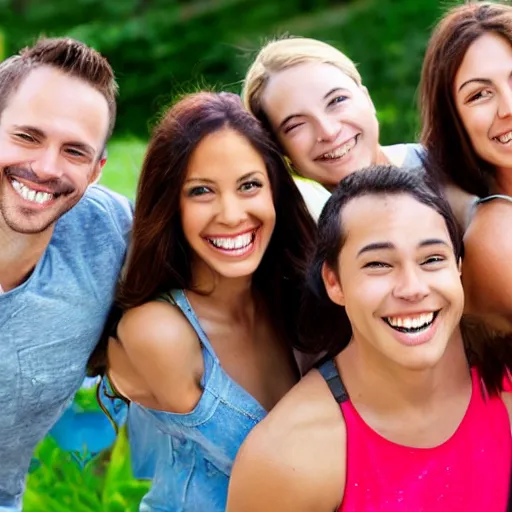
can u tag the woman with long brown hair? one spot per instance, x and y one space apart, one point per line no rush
466 105
209 296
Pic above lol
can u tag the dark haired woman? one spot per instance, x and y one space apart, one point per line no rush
210 296
466 100
396 420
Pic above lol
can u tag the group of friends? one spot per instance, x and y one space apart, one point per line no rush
298 317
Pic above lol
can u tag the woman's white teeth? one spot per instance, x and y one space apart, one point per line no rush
341 151
31 195
506 137
233 243
411 322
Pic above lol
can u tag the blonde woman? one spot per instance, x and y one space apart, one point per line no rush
311 97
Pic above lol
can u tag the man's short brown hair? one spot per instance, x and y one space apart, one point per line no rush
69 56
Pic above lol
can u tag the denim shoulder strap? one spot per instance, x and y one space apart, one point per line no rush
178 298
330 373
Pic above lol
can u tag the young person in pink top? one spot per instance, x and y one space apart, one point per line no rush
398 418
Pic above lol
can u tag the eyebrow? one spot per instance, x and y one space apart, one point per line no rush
378 246
286 119
32 130
212 182
484 81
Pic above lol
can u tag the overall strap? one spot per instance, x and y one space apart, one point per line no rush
330 373
178 298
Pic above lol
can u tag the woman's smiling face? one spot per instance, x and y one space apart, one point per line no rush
324 120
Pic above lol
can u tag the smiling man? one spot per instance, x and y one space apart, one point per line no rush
62 239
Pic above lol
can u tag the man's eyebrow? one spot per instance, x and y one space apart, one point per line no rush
376 246
31 130
379 246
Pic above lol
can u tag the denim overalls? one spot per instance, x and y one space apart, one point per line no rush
191 455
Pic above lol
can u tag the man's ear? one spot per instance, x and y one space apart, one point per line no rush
98 168
332 285
368 97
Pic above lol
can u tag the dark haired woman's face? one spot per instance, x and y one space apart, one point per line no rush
483 96
227 208
398 280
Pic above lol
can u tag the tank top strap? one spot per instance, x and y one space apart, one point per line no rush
178 298
330 373
494 196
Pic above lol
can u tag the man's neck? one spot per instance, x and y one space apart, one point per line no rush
19 254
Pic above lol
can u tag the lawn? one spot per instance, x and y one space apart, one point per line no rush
61 480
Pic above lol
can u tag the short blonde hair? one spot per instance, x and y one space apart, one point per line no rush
282 54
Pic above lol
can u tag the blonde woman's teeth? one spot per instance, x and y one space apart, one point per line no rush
341 151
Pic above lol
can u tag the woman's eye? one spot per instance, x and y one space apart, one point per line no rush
292 127
198 191
480 94
338 99
250 185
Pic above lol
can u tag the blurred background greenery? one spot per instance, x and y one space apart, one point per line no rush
162 48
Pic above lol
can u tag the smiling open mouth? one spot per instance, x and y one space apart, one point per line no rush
34 196
235 244
412 324
341 151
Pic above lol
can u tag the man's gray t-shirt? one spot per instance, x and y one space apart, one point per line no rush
50 324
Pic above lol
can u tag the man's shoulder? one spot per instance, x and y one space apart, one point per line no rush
102 209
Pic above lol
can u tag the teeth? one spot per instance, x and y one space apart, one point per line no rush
233 243
341 151
29 194
504 138
411 322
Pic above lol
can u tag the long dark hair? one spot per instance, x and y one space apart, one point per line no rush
450 152
160 258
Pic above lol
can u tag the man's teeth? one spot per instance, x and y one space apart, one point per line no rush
506 137
341 151
416 322
233 243
31 195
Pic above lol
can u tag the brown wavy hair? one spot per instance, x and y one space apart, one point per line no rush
160 258
450 153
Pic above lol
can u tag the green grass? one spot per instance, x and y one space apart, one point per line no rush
123 165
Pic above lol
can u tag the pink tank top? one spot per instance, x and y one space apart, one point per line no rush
470 472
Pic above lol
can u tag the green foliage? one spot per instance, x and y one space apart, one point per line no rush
105 484
161 48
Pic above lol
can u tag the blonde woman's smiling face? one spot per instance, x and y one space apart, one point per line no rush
324 120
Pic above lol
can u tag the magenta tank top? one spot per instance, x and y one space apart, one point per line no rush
469 472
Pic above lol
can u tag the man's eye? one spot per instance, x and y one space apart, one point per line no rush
376 264
75 152
25 137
